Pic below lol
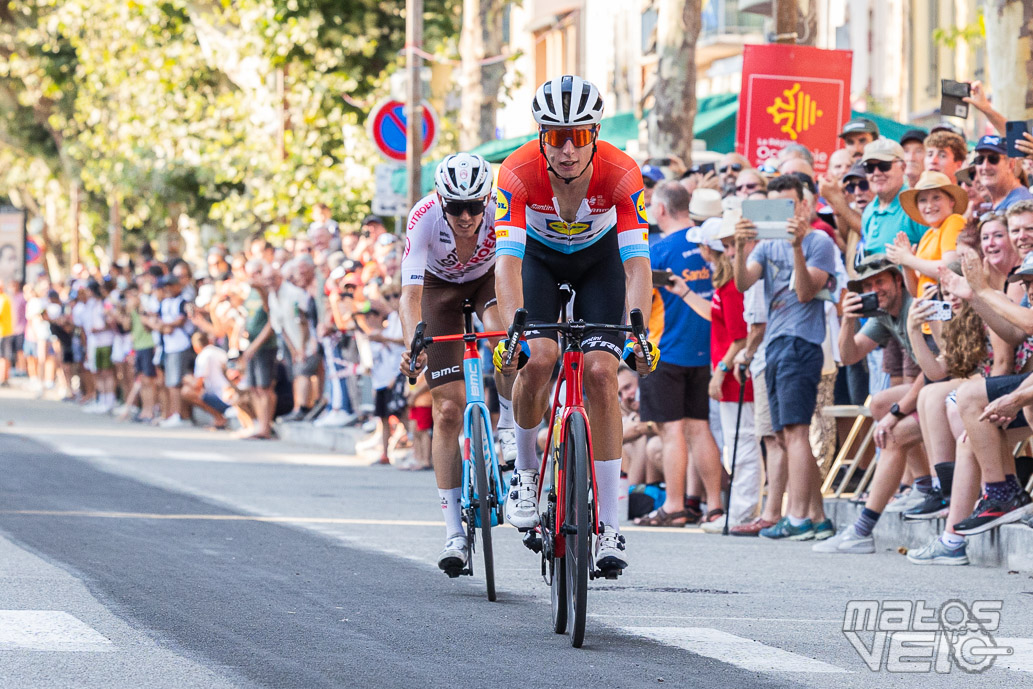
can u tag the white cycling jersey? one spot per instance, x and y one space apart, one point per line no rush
430 246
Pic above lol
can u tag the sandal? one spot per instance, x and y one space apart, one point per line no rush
659 517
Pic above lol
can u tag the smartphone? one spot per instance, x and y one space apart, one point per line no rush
869 305
941 311
769 216
661 278
951 94
1014 131
706 167
660 162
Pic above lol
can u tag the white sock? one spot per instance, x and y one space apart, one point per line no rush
608 482
452 510
952 540
527 444
797 521
505 412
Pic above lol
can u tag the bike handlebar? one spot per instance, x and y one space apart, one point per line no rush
414 351
515 332
638 329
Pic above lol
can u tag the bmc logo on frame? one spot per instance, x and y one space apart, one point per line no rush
448 370
913 637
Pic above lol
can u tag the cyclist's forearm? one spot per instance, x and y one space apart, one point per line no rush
509 287
640 285
410 309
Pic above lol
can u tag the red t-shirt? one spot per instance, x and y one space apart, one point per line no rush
726 326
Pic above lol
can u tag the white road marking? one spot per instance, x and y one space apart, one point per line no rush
48 630
195 456
734 650
77 451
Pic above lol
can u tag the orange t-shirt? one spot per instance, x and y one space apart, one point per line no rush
936 242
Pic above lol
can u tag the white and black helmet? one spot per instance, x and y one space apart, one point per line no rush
567 101
463 177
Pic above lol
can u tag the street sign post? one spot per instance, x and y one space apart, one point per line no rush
389 131
386 201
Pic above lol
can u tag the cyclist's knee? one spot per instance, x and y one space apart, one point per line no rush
540 366
601 373
448 413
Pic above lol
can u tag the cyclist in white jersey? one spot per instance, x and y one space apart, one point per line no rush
450 257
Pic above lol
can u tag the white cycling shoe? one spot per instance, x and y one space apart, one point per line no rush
610 551
452 559
507 448
522 501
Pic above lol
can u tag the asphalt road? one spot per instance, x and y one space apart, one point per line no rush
184 558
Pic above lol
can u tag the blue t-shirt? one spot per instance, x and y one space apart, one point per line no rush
879 226
682 334
1014 196
786 315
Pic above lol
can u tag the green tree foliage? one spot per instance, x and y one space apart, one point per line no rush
178 107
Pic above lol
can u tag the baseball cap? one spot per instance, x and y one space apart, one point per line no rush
1024 271
992 143
883 149
872 265
913 135
371 219
948 127
856 171
652 172
859 125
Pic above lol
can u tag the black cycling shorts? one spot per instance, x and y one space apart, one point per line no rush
597 277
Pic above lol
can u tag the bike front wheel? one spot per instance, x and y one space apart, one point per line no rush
579 525
484 495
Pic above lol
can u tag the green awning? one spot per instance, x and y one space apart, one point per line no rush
715 124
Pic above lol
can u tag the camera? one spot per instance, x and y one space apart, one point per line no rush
869 305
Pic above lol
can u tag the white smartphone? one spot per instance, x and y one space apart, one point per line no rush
769 216
942 311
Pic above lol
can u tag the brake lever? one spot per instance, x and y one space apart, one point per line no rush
415 348
638 328
515 331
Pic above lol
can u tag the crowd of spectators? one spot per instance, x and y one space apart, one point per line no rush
773 330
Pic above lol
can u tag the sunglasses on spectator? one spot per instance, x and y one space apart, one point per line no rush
558 137
748 186
734 167
861 185
992 158
870 166
457 208
392 295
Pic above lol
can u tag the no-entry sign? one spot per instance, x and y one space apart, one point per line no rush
388 128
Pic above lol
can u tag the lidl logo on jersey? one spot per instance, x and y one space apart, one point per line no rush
501 233
639 197
569 228
502 199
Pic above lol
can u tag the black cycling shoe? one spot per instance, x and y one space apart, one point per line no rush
935 506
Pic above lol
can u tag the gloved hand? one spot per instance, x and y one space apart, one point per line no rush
522 356
633 360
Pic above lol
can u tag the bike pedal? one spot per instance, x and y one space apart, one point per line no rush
609 573
532 541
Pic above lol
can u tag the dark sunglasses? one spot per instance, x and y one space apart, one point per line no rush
558 137
749 186
992 158
457 208
735 167
860 185
870 166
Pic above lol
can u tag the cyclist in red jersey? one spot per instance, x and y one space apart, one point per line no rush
570 208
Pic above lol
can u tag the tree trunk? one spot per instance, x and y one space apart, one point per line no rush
480 83
674 110
1010 56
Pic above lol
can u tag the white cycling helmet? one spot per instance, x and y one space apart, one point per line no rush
463 177
567 101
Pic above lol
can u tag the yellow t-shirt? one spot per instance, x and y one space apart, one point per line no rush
6 316
936 242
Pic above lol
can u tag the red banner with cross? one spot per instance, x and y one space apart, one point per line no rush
792 94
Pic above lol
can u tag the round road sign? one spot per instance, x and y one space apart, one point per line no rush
389 129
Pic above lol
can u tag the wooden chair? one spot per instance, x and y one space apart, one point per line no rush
852 451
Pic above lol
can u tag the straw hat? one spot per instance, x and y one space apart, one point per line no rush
705 203
932 180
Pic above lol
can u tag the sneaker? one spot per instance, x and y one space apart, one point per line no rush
783 529
907 501
715 522
610 551
847 541
935 506
296 415
937 553
990 513
522 501
507 449
335 418
452 560
824 530
751 528
94 407
174 421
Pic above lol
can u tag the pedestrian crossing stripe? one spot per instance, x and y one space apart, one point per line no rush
49 630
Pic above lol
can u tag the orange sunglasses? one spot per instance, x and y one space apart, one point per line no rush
558 137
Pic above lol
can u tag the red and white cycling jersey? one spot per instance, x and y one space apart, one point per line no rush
430 245
527 207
